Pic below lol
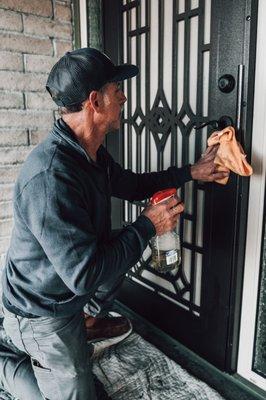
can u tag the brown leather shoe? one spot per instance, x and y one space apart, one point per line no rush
108 330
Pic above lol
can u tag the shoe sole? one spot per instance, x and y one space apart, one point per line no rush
101 344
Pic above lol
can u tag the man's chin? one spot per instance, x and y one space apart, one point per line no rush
113 127
116 125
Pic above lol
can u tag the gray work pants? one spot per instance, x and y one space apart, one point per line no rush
16 374
58 352
55 358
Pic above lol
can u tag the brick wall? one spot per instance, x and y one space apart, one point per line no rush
33 35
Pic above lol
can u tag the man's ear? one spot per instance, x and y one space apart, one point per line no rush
94 100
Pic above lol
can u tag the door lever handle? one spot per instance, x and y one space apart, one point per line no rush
239 101
219 124
213 124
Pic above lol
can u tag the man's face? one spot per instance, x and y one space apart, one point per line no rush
113 100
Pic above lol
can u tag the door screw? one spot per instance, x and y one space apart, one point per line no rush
248 18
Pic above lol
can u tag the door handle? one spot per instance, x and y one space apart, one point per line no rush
239 99
219 124
225 120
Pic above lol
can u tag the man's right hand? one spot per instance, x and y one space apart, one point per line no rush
164 216
205 169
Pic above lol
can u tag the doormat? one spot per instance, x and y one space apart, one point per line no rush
135 369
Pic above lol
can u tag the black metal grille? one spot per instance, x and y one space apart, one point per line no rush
152 124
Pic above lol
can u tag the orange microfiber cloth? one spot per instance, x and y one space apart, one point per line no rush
230 154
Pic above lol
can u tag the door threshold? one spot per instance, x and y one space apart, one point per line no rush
232 387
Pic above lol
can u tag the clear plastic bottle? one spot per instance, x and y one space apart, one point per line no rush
166 249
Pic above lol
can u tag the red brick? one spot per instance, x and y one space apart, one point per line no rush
10 21
6 192
26 119
38 7
13 137
43 27
22 81
11 61
11 100
9 173
63 12
40 101
25 44
62 47
14 155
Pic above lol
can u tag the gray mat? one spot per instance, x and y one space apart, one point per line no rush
135 369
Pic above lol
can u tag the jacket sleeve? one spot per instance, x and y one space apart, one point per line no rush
53 208
131 186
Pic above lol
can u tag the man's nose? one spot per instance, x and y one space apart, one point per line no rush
123 97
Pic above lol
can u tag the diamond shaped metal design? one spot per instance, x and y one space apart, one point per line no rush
185 119
160 119
138 120
163 122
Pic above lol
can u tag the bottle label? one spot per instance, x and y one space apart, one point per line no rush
171 257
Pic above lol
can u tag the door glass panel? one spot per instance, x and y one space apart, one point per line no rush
180 64
169 41
200 208
193 70
192 144
167 56
167 153
194 4
198 273
207 22
153 73
181 7
187 231
133 18
205 94
142 67
189 197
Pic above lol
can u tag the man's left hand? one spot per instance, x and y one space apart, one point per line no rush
205 169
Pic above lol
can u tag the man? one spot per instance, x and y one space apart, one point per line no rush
62 254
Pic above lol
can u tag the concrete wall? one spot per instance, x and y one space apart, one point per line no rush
33 35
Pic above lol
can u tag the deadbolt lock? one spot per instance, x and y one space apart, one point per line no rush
226 83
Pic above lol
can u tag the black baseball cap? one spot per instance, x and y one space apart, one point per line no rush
80 71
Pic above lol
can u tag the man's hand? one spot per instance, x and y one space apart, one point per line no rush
205 169
164 216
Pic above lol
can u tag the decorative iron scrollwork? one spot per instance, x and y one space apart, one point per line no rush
162 120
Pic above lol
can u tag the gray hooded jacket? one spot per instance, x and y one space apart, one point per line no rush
61 248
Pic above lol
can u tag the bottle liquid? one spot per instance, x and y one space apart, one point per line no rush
166 249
